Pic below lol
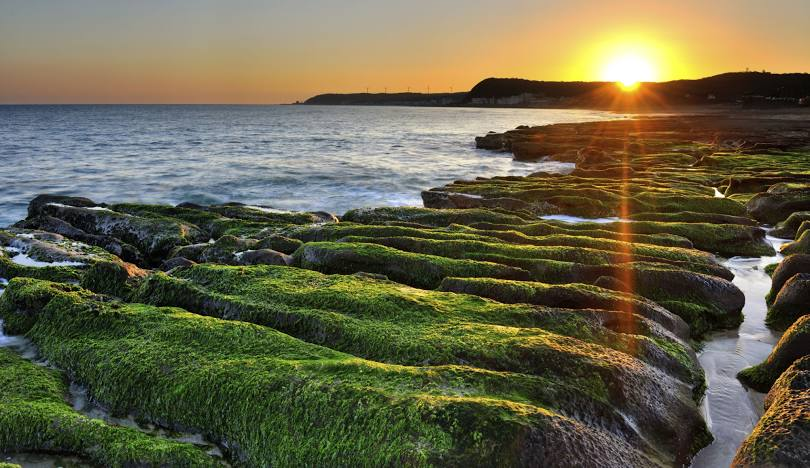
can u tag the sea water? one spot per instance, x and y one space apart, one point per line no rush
331 158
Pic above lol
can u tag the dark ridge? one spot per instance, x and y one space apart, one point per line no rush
387 99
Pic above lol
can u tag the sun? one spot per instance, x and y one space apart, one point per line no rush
628 70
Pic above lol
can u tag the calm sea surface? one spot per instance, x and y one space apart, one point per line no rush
288 157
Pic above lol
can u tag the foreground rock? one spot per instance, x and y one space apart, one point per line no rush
229 378
782 436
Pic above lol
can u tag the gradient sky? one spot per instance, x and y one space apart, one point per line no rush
248 51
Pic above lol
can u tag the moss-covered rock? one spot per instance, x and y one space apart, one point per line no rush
303 303
426 271
575 296
782 435
430 217
34 417
792 302
786 269
561 248
153 236
723 239
778 203
787 229
693 217
258 390
802 243
793 345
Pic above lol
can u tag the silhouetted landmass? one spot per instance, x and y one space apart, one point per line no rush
388 99
754 89
749 88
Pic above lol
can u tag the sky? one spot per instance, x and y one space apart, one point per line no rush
250 51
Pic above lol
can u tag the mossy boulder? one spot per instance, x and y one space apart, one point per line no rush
792 302
788 228
802 243
50 256
43 255
793 345
154 237
786 269
282 243
111 244
34 417
778 203
229 379
782 435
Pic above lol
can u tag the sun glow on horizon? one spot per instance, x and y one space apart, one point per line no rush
628 70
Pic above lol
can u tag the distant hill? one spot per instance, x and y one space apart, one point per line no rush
388 99
756 89
753 88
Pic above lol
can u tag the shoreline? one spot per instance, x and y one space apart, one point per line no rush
558 341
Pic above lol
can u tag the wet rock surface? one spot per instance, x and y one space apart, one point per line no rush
545 320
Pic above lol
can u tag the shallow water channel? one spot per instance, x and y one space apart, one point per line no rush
731 410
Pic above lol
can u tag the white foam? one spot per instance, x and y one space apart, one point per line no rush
267 209
94 208
717 193
577 219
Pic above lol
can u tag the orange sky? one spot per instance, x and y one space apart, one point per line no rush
267 52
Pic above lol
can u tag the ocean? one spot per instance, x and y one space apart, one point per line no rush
330 158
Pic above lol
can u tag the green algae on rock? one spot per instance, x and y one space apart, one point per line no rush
389 322
257 390
409 268
572 295
782 435
793 345
34 417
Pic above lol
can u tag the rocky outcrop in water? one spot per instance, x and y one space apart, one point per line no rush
470 331
792 302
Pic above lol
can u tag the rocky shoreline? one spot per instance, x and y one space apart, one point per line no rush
480 329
